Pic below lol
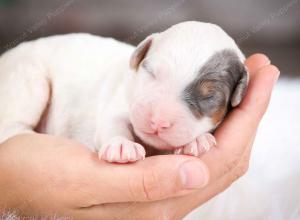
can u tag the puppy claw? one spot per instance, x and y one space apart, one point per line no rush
140 150
200 145
121 150
178 151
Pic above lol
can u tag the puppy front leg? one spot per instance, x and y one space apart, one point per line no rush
115 141
24 94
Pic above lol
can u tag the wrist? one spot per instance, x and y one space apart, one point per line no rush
8 191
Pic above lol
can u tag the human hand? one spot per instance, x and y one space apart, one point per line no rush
41 174
230 159
221 165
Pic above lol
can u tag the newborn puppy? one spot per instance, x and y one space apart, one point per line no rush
169 92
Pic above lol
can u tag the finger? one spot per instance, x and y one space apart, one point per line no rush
171 208
182 205
242 122
154 178
161 177
126 210
260 88
240 125
256 62
159 182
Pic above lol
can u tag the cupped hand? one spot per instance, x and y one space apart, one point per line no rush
42 175
222 165
46 175
230 159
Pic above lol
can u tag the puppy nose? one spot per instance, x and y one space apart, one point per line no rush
159 124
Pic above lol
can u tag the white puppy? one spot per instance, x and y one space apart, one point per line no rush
168 93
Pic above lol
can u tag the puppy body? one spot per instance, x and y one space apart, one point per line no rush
67 81
178 87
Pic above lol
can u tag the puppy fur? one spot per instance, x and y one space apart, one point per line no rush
169 91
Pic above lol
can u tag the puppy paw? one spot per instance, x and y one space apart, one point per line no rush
199 146
121 150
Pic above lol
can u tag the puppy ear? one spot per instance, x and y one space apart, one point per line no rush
241 87
140 52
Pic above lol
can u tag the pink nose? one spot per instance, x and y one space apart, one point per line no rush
160 124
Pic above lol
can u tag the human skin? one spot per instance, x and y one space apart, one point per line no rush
46 175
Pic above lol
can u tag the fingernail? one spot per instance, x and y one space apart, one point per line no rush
193 175
267 61
276 77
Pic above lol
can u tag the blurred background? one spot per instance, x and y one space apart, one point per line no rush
268 26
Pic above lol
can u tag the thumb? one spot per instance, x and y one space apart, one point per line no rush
154 178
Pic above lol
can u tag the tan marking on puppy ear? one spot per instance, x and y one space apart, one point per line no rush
140 52
240 89
218 116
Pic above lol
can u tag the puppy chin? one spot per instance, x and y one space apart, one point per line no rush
153 141
162 143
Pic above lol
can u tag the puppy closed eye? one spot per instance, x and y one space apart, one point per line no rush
208 97
212 101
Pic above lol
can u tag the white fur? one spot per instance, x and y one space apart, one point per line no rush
83 73
83 86
175 57
270 190
86 76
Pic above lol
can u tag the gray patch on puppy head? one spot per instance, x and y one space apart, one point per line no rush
222 78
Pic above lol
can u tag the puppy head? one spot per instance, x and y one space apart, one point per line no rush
185 81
